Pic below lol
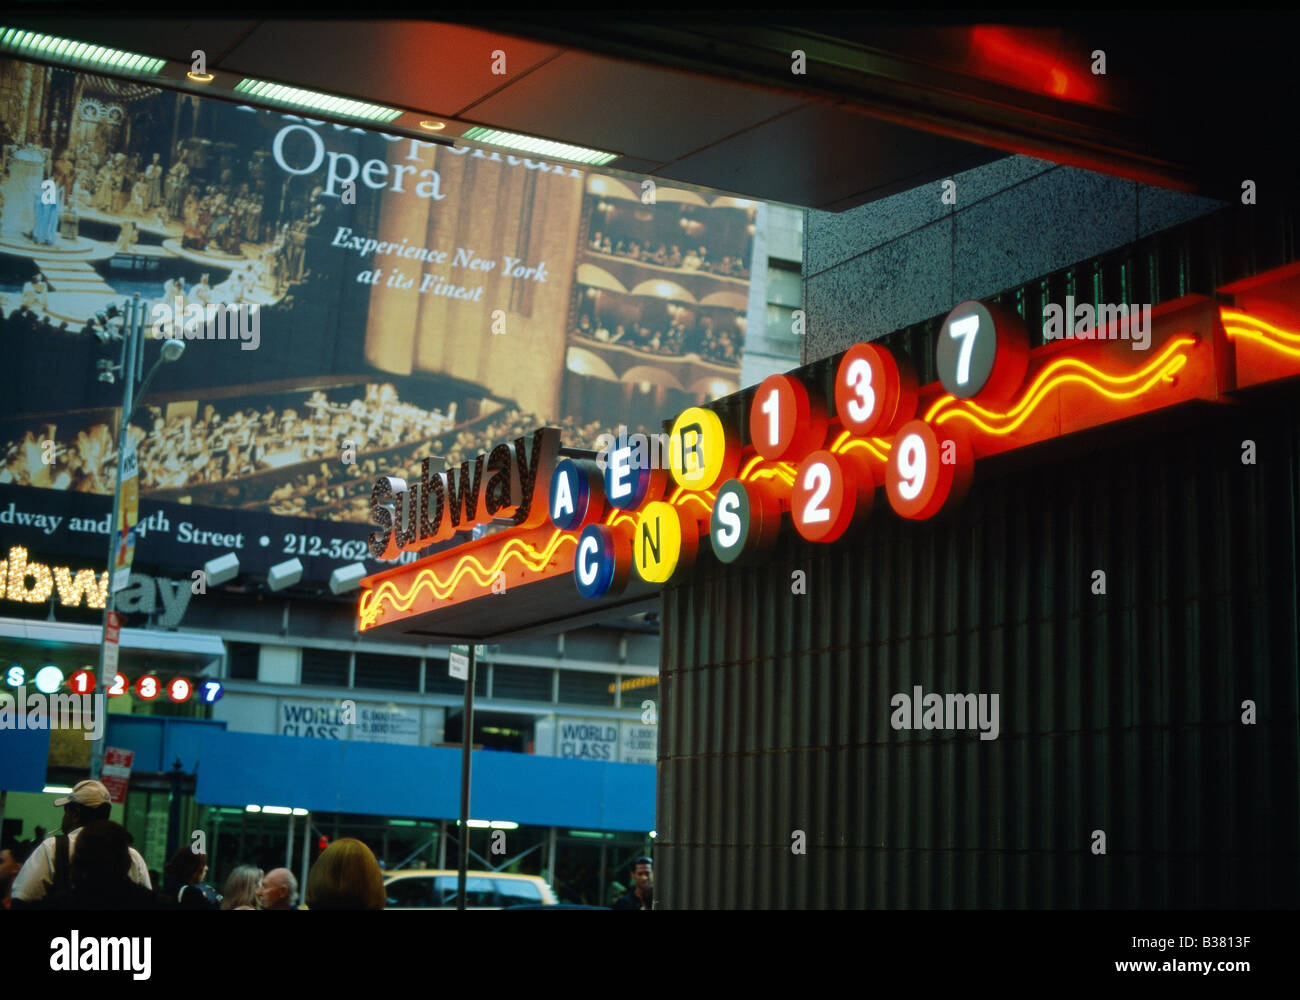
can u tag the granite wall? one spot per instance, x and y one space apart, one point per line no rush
907 258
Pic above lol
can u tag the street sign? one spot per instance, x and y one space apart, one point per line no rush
127 517
111 632
116 772
458 663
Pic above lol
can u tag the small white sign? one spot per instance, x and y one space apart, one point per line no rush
458 666
640 743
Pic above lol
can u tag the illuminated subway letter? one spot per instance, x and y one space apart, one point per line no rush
828 490
746 520
917 479
665 538
602 562
577 494
785 420
383 500
19 570
629 483
463 494
983 352
533 464
499 499
433 496
700 453
874 392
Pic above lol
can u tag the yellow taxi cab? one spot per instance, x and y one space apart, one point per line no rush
435 889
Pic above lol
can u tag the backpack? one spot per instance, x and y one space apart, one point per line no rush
59 895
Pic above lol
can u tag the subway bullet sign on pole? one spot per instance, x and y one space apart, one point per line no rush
811 458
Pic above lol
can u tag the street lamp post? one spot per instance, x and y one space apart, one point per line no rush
130 369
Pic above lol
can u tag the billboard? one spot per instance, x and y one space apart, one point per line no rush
350 302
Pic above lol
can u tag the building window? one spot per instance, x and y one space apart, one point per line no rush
578 687
521 683
638 689
784 287
241 660
391 673
326 667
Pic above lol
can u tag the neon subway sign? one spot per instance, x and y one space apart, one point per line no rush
887 448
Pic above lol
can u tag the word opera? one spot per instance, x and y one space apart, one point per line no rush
814 453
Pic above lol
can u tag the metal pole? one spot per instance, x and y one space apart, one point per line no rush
128 389
212 814
602 894
306 854
174 835
442 844
467 741
288 848
550 859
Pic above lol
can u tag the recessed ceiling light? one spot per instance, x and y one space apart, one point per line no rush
540 147
201 77
433 126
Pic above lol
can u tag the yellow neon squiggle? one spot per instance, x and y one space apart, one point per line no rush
516 548
1242 332
1167 373
868 444
1236 315
1164 367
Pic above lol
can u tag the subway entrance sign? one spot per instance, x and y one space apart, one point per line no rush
815 451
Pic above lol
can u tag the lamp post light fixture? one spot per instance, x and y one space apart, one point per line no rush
129 371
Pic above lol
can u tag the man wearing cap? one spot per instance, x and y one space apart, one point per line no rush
89 801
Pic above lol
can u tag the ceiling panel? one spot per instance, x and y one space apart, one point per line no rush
652 114
826 157
167 39
441 68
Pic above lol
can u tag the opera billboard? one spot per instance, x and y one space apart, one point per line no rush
351 303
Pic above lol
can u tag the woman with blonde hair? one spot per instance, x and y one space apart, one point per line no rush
241 888
346 877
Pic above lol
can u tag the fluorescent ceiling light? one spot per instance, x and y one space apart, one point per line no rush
65 50
253 809
278 810
300 812
541 147
57 789
314 100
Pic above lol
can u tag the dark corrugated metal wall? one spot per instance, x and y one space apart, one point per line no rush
1118 712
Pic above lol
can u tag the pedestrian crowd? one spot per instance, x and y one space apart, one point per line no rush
92 866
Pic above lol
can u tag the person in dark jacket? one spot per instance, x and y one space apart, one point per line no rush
99 873
183 881
642 894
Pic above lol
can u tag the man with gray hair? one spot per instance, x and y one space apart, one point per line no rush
279 890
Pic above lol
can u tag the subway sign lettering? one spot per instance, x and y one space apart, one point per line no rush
500 485
817 451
